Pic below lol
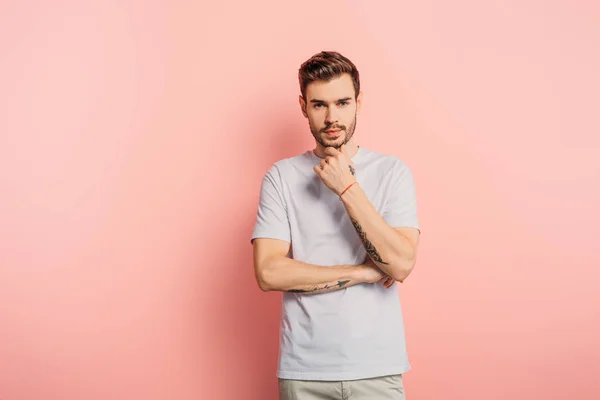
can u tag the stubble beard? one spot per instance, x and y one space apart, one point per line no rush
348 133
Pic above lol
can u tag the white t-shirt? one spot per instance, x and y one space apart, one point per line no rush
352 333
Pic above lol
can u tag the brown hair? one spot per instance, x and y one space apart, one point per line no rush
325 66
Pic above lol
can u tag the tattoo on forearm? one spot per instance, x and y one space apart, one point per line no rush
352 170
339 284
371 250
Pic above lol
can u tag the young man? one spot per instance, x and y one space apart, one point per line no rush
336 228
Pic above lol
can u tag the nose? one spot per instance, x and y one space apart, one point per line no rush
332 116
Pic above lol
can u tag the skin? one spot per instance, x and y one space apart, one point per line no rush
391 251
333 105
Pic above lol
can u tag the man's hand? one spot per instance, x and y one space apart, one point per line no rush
374 274
371 273
336 170
388 282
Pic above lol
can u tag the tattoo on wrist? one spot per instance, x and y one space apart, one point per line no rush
339 284
352 170
371 250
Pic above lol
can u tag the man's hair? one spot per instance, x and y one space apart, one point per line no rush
325 66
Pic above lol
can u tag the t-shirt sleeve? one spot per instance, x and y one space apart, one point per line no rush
401 208
271 217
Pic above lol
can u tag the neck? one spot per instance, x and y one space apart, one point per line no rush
351 149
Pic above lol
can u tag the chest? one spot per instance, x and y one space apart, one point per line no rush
316 211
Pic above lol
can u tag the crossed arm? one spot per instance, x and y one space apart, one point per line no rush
392 252
275 271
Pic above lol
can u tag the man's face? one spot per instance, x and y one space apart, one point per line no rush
331 109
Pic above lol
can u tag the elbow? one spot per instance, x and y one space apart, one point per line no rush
402 268
264 286
264 280
266 272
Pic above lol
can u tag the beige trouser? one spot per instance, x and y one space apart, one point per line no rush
380 388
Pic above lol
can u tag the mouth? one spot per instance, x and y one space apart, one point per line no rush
332 132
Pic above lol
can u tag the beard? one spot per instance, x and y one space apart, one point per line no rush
321 138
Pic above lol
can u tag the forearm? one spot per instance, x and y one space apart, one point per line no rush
288 275
390 251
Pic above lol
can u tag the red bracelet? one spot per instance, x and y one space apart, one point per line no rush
349 186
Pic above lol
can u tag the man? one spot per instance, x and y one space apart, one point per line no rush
336 228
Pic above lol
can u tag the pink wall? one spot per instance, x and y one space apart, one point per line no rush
134 138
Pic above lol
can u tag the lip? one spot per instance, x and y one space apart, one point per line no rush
333 131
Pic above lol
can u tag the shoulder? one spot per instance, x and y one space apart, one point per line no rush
282 169
387 162
292 162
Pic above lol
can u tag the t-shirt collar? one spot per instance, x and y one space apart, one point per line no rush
355 158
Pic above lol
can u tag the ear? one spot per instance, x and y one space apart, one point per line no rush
359 102
302 105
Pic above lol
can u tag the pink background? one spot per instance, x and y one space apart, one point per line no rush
134 136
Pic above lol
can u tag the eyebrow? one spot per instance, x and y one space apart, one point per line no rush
323 101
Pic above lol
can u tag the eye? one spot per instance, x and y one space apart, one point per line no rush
343 103
318 105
